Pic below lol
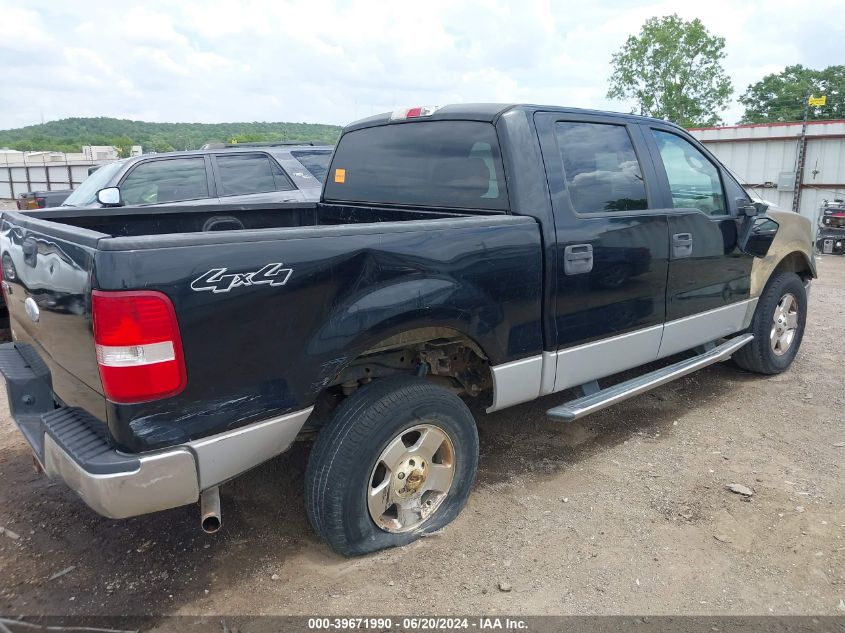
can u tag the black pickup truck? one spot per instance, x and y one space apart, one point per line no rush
472 251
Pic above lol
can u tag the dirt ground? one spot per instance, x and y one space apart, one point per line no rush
624 512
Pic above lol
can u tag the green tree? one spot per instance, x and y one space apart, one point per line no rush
252 138
157 144
673 71
780 96
123 145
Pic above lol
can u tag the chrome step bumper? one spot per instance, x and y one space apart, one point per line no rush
603 398
72 445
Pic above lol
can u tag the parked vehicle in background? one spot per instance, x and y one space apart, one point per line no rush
830 239
42 199
45 199
476 251
241 173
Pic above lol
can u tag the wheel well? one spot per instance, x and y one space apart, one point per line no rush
796 262
443 355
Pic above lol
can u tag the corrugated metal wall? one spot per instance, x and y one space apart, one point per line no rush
764 158
16 179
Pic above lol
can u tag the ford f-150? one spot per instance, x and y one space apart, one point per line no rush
497 252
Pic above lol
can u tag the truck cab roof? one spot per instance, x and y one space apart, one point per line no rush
488 112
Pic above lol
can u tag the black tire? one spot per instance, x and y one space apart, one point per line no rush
348 447
759 356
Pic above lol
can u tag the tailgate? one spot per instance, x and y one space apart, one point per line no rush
47 272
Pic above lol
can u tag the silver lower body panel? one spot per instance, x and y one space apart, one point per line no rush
528 378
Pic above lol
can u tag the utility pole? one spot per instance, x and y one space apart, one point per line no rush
802 152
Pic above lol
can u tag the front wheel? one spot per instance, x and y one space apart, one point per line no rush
778 326
396 461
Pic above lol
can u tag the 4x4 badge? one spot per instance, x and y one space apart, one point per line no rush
217 280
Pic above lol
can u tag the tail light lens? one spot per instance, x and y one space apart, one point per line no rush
139 348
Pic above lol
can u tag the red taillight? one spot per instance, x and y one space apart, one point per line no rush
139 349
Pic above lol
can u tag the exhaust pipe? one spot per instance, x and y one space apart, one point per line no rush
210 510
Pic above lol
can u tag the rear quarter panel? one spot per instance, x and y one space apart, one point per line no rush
257 350
53 269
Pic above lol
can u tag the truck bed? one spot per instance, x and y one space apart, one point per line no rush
160 220
353 276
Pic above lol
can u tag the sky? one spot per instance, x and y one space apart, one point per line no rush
334 62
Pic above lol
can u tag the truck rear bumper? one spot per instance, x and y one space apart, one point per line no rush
161 481
73 446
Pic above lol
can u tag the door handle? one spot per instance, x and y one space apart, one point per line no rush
578 259
681 245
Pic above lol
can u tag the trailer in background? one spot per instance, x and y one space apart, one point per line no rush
42 171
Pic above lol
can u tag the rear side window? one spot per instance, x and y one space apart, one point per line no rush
171 180
453 164
601 169
317 163
241 174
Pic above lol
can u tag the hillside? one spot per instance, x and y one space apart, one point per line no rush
69 135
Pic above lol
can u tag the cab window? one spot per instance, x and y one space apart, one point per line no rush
171 180
316 162
735 193
693 180
601 168
241 174
452 164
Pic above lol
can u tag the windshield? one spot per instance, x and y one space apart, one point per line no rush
86 194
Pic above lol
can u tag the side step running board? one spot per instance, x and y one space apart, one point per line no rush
593 402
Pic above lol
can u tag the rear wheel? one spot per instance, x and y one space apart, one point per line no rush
778 326
396 461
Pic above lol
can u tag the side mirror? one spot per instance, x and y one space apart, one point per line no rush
757 235
109 197
750 209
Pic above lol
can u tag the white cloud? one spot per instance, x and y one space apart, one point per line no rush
332 62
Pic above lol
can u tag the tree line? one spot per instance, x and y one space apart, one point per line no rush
69 135
673 70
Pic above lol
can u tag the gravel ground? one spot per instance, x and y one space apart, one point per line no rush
624 512
7 204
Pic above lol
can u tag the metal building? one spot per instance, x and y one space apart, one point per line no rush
47 171
768 160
